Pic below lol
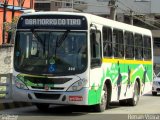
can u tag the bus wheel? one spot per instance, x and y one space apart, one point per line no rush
133 101
123 102
42 106
104 101
154 93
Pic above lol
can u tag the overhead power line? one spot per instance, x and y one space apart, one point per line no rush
140 19
124 4
138 13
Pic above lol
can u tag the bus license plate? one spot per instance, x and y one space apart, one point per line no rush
75 98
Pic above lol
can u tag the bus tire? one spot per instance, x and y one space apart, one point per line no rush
134 100
154 93
42 106
104 101
123 102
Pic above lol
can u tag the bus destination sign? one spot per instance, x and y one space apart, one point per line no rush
52 22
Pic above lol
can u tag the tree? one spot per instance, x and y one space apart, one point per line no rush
10 28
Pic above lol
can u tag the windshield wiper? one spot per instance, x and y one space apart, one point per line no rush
62 39
37 36
39 39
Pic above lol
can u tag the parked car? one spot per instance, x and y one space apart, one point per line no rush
156 84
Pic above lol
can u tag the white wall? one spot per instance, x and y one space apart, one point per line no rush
6 59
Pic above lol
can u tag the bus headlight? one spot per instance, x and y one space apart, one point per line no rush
19 84
77 85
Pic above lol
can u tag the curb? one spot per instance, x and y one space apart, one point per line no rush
14 105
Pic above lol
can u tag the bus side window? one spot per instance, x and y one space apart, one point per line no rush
129 45
118 44
147 48
95 38
107 42
138 47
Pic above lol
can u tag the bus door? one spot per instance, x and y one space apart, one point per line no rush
95 65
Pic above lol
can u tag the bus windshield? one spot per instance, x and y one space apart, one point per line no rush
50 52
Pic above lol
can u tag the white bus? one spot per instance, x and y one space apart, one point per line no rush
80 59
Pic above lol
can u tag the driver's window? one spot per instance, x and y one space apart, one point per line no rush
95 44
95 41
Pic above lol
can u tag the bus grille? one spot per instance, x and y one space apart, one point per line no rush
38 80
47 96
51 88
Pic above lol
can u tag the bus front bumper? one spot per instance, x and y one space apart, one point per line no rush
64 97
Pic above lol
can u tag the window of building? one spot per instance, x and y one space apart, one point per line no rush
58 4
68 3
107 42
118 46
42 6
138 46
129 45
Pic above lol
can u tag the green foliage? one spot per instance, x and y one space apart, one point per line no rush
11 26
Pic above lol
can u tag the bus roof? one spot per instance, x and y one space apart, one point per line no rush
98 20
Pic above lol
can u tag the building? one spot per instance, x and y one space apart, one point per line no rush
60 5
10 9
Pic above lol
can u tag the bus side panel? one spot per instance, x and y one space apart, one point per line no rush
123 74
96 81
147 79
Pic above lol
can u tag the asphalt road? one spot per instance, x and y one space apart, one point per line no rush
148 108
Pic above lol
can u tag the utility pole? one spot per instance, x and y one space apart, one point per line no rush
31 4
72 5
131 17
13 11
112 6
5 4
